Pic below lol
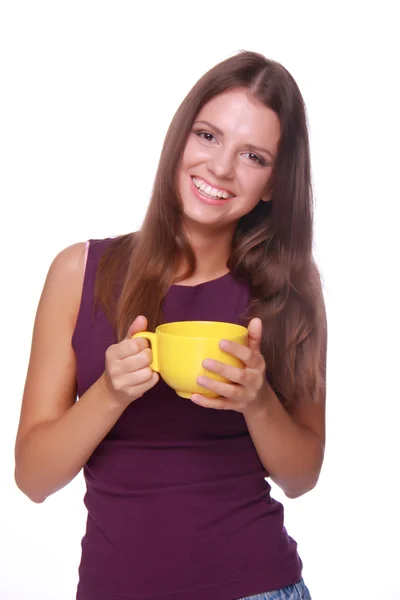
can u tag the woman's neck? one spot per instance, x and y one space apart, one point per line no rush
212 252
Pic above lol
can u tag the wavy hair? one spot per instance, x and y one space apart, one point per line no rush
272 245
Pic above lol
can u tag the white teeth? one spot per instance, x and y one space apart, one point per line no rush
211 191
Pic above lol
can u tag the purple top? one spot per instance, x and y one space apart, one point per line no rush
177 503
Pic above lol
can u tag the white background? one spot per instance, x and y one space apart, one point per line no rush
87 92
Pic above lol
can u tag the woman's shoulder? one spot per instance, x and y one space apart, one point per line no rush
65 276
69 261
68 266
99 246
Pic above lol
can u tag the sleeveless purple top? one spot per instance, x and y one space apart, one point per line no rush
178 506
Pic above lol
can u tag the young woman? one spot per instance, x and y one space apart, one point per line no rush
178 505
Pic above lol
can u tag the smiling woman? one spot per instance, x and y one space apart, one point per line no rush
177 498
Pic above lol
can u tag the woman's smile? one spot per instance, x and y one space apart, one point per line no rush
209 194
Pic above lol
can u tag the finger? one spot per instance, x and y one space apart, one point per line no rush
255 334
143 359
234 374
221 388
140 377
245 354
138 325
147 385
216 403
130 347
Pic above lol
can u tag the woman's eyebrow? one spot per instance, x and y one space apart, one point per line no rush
211 126
260 149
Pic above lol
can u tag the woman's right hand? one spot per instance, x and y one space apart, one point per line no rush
127 374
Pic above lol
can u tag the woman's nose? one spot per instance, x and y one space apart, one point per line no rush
221 164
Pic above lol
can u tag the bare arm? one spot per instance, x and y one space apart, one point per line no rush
290 443
291 447
57 435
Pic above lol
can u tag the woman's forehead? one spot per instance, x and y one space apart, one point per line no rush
239 113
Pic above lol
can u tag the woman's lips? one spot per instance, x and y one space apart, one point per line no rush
206 198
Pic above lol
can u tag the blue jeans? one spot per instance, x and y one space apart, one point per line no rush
297 591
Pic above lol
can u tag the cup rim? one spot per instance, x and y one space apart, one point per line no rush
239 335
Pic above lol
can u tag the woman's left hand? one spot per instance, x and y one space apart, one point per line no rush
248 387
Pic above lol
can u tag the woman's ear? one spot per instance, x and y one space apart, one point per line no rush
267 197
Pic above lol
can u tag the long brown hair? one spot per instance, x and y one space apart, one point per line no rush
272 245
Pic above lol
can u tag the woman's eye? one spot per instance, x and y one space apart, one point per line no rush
205 135
254 158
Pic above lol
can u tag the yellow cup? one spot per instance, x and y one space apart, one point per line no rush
179 349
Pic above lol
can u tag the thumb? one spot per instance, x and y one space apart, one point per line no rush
139 324
255 334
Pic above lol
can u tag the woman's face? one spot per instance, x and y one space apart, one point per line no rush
228 160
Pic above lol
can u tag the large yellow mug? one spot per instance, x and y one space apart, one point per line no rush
179 350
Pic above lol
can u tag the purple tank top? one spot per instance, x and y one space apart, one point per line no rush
177 503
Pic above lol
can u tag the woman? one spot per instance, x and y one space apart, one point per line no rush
178 506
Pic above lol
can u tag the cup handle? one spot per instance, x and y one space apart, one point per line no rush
152 338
